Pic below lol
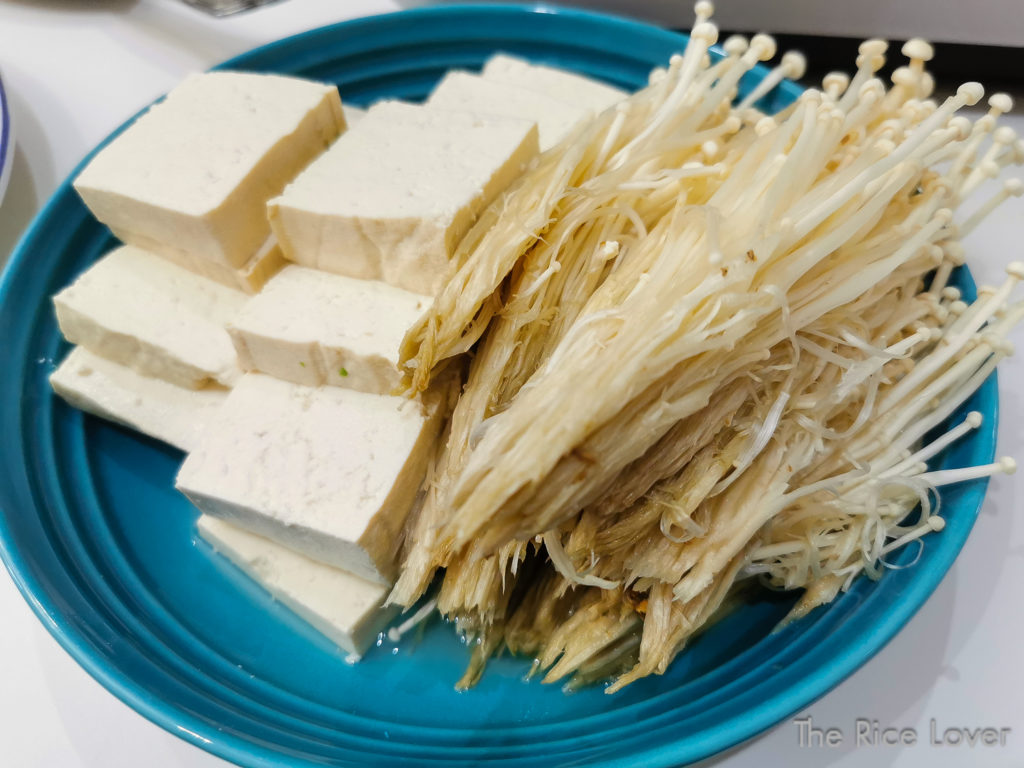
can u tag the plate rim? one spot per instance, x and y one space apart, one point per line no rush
234 748
6 144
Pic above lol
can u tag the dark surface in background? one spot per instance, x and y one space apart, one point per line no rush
996 67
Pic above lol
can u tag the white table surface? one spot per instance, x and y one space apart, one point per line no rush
75 70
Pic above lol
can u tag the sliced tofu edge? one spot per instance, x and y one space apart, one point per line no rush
188 347
412 253
244 210
229 227
460 90
353 114
346 609
353 344
217 475
558 83
250 278
383 540
315 544
161 410
501 178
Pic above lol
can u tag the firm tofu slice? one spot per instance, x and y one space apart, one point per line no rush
327 471
472 93
193 174
314 328
353 114
142 311
167 412
567 87
393 196
348 610
250 277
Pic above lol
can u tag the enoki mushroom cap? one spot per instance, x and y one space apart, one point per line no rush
704 10
971 93
793 64
1000 103
764 46
918 48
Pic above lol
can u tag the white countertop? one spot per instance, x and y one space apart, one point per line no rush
75 70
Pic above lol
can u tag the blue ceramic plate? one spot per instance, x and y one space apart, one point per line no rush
105 550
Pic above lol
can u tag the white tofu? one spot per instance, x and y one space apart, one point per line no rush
472 93
142 311
193 174
167 412
348 610
312 327
250 277
393 196
329 472
353 114
567 87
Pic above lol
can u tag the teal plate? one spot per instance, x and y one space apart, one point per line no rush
105 550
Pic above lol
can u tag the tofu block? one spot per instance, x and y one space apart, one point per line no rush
250 277
467 92
142 311
348 610
558 84
193 174
312 327
393 196
167 412
329 472
353 114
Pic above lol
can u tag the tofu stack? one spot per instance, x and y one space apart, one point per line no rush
554 83
303 463
191 177
185 187
394 196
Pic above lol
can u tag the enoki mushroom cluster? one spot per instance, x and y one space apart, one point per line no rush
697 345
